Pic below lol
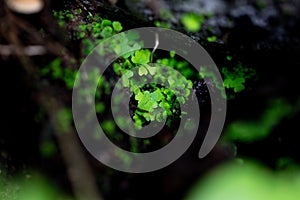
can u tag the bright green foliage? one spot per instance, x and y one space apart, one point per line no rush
105 23
147 101
232 79
63 16
236 78
145 69
247 181
249 131
106 32
90 31
141 57
236 83
117 26
192 22
212 38
155 102
56 70
126 77
98 28
183 66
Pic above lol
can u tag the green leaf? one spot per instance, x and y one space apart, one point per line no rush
147 103
100 107
106 32
211 38
171 81
117 26
192 22
172 54
105 22
108 126
246 180
261 127
141 57
157 95
139 96
151 70
126 77
143 71
228 57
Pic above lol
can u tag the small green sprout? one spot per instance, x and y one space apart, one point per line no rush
236 79
229 57
117 26
172 54
211 38
162 24
192 22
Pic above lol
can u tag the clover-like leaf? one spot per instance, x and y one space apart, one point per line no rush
152 70
126 78
141 57
143 71
106 32
146 102
237 84
105 22
117 26
171 81
212 38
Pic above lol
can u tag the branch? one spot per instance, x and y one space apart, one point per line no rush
32 50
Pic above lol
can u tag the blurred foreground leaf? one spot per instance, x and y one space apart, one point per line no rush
247 181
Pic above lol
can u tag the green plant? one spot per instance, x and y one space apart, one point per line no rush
91 30
154 102
236 78
63 16
212 38
141 57
247 180
252 130
192 21
229 57
56 71
162 24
